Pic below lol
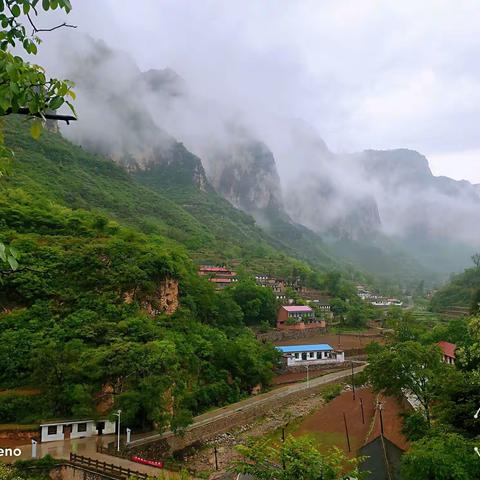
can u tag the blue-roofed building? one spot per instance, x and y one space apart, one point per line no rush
316 354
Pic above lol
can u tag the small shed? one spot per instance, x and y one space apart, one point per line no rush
383 459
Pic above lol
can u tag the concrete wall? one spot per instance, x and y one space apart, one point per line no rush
110 427
45 437
313 360
91 430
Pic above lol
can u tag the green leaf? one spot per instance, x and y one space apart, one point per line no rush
55 102
3 254
26 8
46 4
36 129
13 252
13 263
16 10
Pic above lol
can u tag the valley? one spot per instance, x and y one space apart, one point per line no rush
223 255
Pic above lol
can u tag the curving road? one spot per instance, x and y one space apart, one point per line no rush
252 403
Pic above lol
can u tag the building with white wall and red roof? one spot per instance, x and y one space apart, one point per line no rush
220 276
448 352
297 317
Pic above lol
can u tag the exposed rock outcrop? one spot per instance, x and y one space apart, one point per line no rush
164 300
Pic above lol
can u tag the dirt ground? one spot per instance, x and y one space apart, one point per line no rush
327 425
293 377
339 341
310 416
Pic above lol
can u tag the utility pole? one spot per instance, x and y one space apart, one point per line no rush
380 408
353 381
346 431
363 414
216 457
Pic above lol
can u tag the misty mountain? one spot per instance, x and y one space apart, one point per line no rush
375 208
245 173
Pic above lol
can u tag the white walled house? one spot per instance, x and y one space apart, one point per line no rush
64 430
318 354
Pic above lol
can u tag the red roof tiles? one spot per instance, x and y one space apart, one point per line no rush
448 348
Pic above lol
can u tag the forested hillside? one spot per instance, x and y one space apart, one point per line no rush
82 322
463 290
204 223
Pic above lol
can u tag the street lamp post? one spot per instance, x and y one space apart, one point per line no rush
118 414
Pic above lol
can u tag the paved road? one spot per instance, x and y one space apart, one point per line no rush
252 402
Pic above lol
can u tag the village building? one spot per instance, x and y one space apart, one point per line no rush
303 355
66 429
448 352
297 317
323 304
220 276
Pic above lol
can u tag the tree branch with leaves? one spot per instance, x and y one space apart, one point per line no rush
25 88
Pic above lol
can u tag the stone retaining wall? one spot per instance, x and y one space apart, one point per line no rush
242 416
19 434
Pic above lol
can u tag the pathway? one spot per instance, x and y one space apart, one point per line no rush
253 402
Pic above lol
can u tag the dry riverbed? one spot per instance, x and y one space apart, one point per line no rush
202 459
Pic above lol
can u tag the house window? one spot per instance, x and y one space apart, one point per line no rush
297 355
319 355
52 430
82 427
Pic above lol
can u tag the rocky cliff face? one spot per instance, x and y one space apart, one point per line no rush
115 119
164 300
244 172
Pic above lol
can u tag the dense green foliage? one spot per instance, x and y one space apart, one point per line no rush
443 430
408 365
28 469
200 220
445 457
66 325
463 290
295 459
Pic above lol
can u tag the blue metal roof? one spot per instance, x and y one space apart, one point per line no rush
319 347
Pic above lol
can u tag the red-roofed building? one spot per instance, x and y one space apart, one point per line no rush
297 317
220 276
448 351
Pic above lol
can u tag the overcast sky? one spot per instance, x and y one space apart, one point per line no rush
363 73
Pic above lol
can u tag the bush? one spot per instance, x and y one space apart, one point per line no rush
21 408
415 426
332 391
